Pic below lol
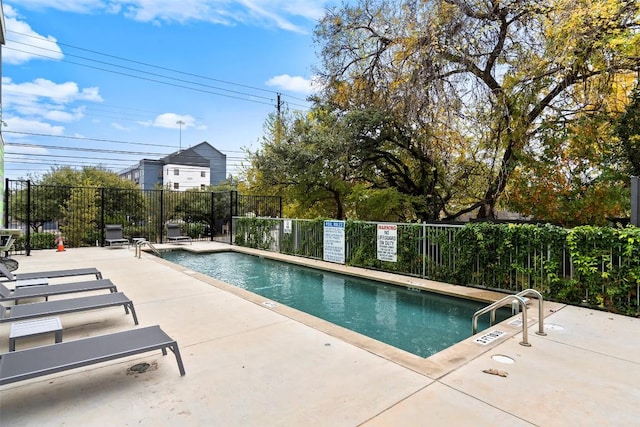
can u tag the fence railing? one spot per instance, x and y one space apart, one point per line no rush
80 214
601 271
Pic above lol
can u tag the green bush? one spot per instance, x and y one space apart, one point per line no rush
597 267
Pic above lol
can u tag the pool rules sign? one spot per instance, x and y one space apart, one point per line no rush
334 241
388 242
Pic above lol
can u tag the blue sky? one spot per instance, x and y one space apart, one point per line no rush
88 82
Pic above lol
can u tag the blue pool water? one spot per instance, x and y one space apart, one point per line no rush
422 323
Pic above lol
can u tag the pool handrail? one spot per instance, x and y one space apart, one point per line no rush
538 295
140 243
500 303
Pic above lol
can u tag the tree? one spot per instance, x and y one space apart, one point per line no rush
51 195
475 83
304 159
628 132
575 180
79 214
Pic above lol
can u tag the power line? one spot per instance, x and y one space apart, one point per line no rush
151 80
145 72
113 141
79 138
91 150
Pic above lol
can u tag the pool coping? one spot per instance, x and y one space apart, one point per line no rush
435 366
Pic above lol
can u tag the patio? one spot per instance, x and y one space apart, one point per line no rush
248 364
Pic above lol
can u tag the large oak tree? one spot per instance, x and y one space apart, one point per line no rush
468 86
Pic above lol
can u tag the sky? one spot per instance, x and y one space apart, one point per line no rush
110 82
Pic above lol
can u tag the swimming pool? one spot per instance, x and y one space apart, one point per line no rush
420 322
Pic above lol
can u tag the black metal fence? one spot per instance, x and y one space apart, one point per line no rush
80 214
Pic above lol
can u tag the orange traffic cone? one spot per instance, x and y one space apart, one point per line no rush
60 245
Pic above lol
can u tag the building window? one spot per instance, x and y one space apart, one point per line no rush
176 186
203 174
202 186
176 171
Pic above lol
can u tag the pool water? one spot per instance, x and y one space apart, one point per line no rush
422 323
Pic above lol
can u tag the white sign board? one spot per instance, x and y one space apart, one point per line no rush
388 242
287 226
333 241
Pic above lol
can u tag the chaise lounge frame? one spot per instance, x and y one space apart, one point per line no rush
173 234
50 359
46 291
64 306
114 237
49 274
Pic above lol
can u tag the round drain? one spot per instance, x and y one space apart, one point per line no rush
140 367
501 358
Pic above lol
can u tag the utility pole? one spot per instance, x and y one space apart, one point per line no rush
180 123
278 119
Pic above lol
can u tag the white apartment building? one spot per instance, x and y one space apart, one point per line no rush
182 177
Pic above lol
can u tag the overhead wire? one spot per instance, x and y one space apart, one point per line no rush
240 160
147 72
153 80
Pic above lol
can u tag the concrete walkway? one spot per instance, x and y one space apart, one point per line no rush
251 364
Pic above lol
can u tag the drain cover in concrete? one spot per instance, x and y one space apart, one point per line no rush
501 358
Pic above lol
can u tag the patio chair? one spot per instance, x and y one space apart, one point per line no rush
64 306
4 271
173 234
114 237
46 291
50 359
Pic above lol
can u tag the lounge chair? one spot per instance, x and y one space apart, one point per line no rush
46 291
173 234
50 359
114 237
64 306
49 274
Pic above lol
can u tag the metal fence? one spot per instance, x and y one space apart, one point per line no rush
80 214
427 250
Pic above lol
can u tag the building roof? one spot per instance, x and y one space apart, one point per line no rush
192 156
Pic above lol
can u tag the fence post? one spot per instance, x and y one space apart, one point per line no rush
231 211
635 201
424 249
101 216
212 219
6 203
27 245
161 217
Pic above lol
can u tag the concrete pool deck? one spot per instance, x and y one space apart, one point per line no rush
254 364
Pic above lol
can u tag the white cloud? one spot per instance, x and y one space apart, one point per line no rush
23 44
18 124
60 115
290 15
59 93
44 100
79 6
170 121
118 126
293 84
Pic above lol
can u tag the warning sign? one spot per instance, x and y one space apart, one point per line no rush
388 242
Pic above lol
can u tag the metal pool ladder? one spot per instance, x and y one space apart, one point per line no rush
517 298
140 243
